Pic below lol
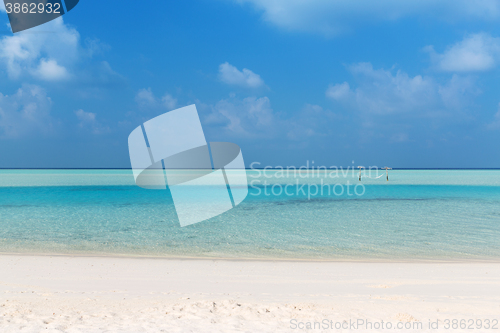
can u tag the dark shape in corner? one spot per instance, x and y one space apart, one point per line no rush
26 14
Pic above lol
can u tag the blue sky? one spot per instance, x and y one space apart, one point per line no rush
401 83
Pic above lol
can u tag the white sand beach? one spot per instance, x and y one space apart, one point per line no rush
109 294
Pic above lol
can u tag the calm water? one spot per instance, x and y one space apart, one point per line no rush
431 214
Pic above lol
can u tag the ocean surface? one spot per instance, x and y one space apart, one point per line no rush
416 215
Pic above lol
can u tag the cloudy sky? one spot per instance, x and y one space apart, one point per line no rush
412 83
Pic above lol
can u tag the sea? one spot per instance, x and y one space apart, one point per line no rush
436 215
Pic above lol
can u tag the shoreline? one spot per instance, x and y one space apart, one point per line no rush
263 259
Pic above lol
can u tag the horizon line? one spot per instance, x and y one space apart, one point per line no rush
284 168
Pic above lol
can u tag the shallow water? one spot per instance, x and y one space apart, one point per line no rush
418 214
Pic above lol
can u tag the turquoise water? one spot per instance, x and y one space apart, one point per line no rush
418 214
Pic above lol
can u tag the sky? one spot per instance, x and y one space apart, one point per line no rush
405 84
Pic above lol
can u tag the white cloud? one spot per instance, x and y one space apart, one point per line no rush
477 52
85 117
331 17
338 91
380 92
311 121
254 118
103 75
44 55
169 102
457 93
250 116
147 100
49 70
245 78
94 46
24 113
53 53
88 120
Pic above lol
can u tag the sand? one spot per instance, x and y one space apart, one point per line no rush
108 294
